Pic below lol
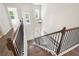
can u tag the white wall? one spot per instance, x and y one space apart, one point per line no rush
5 24
57 16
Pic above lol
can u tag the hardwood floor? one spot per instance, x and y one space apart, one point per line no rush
4 51
34 50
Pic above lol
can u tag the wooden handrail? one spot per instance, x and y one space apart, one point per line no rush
58 32
11 42
72 29
15 33
48 34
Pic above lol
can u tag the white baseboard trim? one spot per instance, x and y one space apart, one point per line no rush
3 34
62 53
52 52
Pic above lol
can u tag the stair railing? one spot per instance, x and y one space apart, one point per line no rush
59 41
15 44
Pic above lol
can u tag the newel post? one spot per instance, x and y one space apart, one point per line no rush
10 46
62 32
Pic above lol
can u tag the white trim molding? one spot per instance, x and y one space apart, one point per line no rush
68 50
5 33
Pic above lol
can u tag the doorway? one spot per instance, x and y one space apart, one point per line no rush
13 15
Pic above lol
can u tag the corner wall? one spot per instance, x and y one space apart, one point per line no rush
5 24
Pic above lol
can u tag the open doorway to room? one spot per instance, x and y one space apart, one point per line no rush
13 15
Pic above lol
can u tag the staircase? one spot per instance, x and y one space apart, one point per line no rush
59 41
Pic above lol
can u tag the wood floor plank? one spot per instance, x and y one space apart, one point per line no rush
34 50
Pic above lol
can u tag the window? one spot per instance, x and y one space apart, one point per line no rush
11 15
